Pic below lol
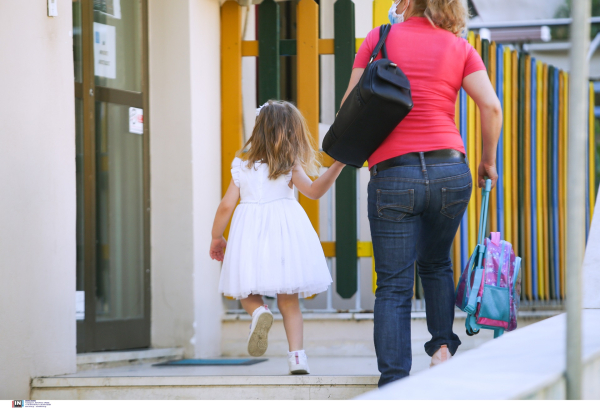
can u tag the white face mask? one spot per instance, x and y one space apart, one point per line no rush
397 18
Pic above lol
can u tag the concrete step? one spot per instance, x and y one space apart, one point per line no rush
111 359
348 334
330 378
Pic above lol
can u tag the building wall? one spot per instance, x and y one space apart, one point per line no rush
205 55
185 178
37 199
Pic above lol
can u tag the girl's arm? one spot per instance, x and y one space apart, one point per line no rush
218 243
478 86
315 189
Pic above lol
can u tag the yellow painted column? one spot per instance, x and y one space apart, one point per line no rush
307 49
472 208
527 199
562 199
592 153
545 169
380 12
539 180
231 88
508 144
478 139
565 148
494 192
514 161
456 244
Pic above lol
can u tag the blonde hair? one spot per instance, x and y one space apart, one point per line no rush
451 15
281 139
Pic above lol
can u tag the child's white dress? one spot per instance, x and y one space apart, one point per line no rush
272 246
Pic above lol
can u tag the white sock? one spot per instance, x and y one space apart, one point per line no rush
293 353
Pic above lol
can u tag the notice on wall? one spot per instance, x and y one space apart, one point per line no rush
109 7
136 121
105 58
79 305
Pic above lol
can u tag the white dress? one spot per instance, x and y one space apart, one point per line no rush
272 246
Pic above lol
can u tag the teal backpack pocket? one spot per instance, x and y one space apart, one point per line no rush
495 303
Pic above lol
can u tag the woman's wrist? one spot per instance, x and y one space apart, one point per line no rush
489 161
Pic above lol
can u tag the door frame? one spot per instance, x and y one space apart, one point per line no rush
125 333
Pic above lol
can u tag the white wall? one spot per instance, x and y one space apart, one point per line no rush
37 199
512 10
185 134
206 169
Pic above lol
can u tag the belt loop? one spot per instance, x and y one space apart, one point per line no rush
423 165
374 170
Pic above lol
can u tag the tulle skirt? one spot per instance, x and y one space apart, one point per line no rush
273 249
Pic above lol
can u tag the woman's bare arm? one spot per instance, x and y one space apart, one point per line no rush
478 86
354 78
315 189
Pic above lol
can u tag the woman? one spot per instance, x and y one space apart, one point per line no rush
420 180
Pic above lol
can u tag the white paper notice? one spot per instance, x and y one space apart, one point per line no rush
136 121
105 58
109 7
52 8
79 305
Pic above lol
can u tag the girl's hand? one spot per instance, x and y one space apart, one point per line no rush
489 171
217 248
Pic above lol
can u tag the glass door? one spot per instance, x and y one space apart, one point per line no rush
113 267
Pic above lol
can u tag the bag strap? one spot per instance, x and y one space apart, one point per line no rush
501 264
472 305
517 270
485 193
384 30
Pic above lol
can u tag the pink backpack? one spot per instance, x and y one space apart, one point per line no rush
489 288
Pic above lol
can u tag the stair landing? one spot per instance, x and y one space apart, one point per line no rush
330 378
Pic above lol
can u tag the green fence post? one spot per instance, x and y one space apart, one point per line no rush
346 228
268 51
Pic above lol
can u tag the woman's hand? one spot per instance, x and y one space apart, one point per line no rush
217 248
316 189
486 170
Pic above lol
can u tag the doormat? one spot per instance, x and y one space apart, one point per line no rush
213 362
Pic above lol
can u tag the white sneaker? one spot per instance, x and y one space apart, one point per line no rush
298 362
262 320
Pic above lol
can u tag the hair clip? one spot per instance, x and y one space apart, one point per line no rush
260 107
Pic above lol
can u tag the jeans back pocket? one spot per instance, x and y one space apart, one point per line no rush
395 204
455 200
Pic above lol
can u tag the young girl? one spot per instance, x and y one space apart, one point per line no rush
273 249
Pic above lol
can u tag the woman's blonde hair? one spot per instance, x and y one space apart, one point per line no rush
281 139
450 15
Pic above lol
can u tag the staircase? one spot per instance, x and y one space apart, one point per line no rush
339 346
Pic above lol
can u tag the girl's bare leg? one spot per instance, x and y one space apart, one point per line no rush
292 320
251 303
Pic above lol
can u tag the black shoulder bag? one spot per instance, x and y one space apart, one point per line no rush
376 105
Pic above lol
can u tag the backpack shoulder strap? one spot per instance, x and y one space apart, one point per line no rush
384 30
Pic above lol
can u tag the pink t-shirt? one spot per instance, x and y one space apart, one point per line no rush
435 62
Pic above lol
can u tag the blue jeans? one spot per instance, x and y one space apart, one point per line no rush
414 212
